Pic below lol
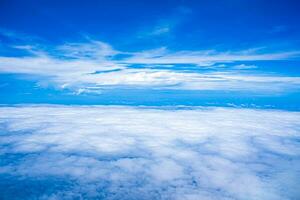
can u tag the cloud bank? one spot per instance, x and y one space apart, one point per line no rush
116 152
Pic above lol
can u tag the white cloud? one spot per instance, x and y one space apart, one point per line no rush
80 75
80 66
96 50
47 66
243 66
190 81
151 153
157 31
204 57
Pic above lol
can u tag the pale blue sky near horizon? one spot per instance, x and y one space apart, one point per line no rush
242 53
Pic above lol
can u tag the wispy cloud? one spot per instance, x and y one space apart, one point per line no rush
149 153
209 57
162 29
97 64
165 26
81 74
92 49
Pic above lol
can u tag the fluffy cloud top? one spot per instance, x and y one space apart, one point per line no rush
55 152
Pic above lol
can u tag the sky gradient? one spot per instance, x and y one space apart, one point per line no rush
239 52
187 100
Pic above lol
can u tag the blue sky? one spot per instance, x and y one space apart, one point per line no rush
238 52
149 100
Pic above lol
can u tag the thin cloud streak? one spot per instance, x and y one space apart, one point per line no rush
206 57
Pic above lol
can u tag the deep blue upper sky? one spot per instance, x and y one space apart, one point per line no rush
150 52
193 24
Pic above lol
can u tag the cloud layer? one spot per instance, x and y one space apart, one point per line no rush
61 152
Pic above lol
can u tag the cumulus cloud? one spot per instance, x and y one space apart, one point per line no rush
116 152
